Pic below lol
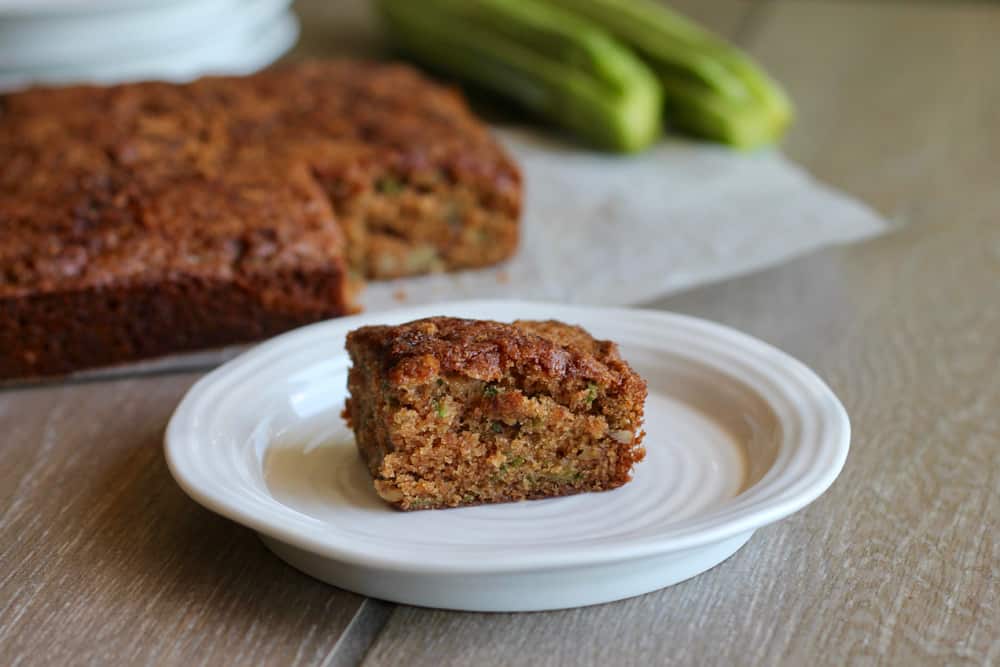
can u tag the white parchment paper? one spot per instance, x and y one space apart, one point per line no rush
614 230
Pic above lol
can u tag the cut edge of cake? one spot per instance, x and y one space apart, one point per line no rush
450 412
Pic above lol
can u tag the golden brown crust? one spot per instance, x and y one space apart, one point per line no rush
451 412
122 230
417 182
549 352
302 170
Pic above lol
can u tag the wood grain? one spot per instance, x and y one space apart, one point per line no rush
898 103
899 563
103 560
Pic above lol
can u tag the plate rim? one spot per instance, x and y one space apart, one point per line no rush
835 444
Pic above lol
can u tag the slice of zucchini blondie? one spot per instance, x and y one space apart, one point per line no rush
449 412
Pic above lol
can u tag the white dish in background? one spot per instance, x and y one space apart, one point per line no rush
22 8
143 32
238 49
739 435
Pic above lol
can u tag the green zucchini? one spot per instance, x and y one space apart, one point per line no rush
556 64
711 88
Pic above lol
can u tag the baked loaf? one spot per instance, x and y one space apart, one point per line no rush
449 412
150 218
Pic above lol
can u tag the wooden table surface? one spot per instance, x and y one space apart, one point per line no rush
104 560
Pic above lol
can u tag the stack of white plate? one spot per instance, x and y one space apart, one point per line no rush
105 41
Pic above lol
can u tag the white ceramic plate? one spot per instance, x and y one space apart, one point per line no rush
738 435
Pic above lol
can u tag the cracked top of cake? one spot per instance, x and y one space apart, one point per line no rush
547 356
